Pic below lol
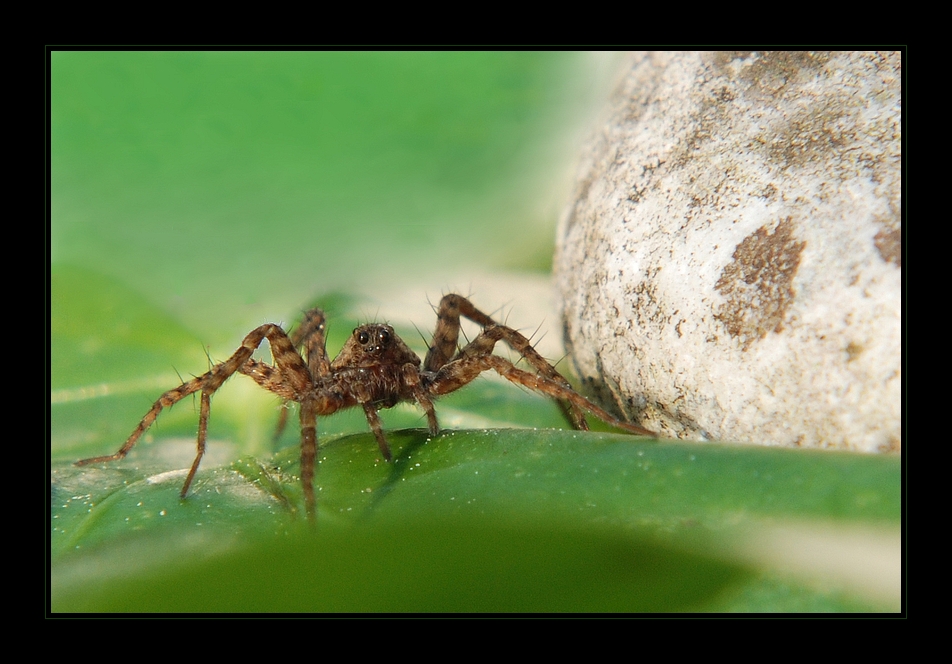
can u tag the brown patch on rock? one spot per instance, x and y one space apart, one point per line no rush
889 244
758 283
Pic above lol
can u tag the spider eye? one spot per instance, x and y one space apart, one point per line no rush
383 337
363 338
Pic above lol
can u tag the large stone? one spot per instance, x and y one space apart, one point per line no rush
731 266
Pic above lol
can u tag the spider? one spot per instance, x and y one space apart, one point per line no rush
374 370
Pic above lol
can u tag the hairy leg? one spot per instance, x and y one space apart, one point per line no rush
270 378
446 338
293 370
411 378
308 454
485 343
311 334
167 400
311 337
373 419
202 435
462 371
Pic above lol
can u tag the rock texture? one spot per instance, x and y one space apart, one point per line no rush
731 266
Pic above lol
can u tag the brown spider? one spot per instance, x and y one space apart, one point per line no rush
374 370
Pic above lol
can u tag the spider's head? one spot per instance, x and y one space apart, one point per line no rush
374 339
374 345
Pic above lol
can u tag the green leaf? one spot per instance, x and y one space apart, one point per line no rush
425 566
519 501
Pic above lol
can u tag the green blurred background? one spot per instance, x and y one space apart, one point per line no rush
227 187
195 196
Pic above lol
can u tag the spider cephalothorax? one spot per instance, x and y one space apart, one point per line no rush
374 370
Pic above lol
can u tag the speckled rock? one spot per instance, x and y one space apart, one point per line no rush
731 266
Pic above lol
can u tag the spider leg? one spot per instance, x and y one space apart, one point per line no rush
446 338
167 400
446 335
486 342
411 378
311 336
285 380
282 423
308 454
460 372
295 376
373 419
271 378
202 434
